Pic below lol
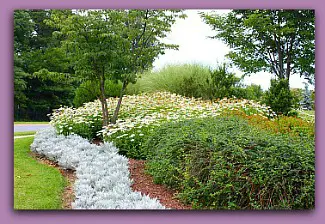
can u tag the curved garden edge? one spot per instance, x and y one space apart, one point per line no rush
141 182
102 191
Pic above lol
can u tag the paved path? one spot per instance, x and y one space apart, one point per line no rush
29 127
23 136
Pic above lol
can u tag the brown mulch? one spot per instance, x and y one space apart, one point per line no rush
70 176
144 183
97 141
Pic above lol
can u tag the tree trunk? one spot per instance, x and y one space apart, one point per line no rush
103 100
289 50
117 109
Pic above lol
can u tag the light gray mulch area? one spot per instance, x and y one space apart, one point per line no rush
102 174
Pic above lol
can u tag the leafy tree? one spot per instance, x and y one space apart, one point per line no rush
113 44
23 31
279 97
281 42
141 43
39 65
23 28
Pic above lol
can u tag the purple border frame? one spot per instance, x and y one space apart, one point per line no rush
8 215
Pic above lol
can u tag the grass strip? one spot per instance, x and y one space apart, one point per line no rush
31 122
36 186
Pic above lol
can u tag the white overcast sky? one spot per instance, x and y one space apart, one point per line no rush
191 34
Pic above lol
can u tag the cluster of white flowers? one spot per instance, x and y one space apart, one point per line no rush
102 175
152 109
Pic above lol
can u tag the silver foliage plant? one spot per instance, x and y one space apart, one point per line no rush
102 174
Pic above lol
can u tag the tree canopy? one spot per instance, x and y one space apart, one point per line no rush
113 44
38 63
281 42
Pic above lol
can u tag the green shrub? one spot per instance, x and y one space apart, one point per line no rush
224 163
225 84
292 113
89 91
87 129
279 97
307 102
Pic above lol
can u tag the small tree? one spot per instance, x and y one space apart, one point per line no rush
140 42
114 44
279 97
224 83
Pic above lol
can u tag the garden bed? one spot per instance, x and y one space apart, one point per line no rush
143 183
102 175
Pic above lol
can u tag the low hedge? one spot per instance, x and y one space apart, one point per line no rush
225 163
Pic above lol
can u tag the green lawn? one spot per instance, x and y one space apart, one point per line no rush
36 186
24 133
31 122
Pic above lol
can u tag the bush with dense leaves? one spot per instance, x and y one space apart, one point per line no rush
225 84
225 163
297 96
279 97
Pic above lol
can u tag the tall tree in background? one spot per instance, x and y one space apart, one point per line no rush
113 44
39 65
281 42
23 28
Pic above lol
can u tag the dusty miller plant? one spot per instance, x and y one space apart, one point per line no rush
102 175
